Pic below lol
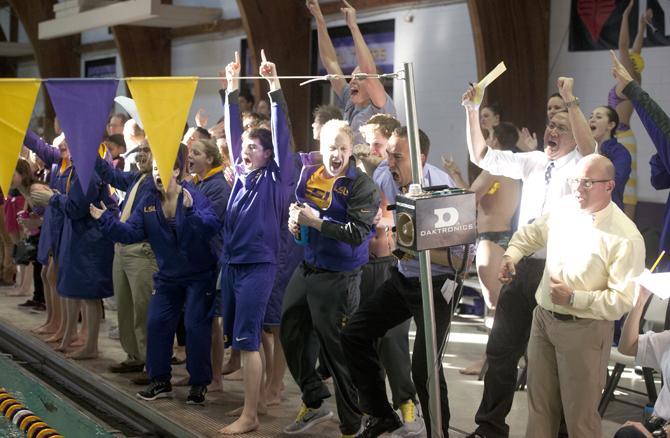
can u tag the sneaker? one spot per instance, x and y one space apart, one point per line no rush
196 396
28 303
125 367
40 307
376 426
156 389
413 424
306 418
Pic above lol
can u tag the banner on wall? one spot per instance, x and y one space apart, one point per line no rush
163 105
82 108
17 99
595 24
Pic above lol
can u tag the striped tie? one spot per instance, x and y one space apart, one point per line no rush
547 173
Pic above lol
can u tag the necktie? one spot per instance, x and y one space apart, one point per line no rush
127 209
547 173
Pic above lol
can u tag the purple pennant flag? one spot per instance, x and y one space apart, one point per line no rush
82 107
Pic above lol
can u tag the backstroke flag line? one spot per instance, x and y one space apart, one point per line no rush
163 105
17 99
82 107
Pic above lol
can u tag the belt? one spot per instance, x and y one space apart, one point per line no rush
310 269
563 316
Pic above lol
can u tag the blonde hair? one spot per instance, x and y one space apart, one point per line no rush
334 127
211 150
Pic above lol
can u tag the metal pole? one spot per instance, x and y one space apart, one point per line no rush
424 262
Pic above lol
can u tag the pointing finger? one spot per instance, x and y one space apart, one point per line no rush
263 58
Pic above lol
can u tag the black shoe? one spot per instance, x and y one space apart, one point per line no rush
124 367
29 303
376 426
475 435
156 390
196 396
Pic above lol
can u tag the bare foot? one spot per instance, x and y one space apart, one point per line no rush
53 339
215 386
83 354
273 397
241 425
235 375
79 341
61 348
474 368
229 368
43 330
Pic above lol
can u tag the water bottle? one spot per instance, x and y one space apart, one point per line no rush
303 238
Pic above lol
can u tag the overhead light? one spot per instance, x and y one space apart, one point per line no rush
75 16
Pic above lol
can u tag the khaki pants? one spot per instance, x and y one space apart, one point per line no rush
567 369
133 269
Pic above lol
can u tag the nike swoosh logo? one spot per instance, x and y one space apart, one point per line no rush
241 339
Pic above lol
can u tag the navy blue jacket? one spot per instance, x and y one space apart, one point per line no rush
52 221
254 213
182 252
342 243
621 158
657 124
217 190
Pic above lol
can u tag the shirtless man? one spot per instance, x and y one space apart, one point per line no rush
497 201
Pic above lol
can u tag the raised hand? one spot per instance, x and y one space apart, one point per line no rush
315 10
232 74
565 86
619 71
527 141
201 118
349 14
269 71
629 8
96 213
40 195
645 19
449 165
468 99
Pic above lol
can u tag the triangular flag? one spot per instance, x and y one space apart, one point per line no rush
82 107
163 105
129 106
17 99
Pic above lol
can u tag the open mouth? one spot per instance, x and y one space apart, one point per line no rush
247 161
593 127
335 164
159 181
552 144
395 175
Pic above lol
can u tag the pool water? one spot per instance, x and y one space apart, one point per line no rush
55 411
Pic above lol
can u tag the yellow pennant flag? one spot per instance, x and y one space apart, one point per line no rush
163 105
17 99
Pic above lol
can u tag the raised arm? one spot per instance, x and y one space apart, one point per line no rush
473 130
232 110
366 62
327 52
449 165
631 327
115 177
639 38
581 130
47 153
281 132
624 38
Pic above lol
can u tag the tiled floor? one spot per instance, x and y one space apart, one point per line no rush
466 343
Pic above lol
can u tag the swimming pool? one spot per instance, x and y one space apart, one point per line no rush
57 412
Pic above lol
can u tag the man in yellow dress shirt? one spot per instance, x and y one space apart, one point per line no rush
593 254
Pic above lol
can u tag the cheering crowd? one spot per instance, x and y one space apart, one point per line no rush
289 259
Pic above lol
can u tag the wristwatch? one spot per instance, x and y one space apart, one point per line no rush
659 433
572 299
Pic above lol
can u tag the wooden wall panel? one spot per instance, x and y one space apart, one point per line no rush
517 32
55 57
144 51
283 29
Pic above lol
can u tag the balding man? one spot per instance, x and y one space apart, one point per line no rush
594 252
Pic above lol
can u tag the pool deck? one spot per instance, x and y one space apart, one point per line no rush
467 343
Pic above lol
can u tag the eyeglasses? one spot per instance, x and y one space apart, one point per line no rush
585 182
558 128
